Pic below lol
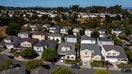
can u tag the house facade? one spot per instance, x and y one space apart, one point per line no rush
102 33
89 52
104 41
66 51
70 39
55 37
87 40
54 29
114 53
24 34
116 31
64 30
39 35
88 32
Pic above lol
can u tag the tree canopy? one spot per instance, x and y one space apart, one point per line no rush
49 54
30 65
28 53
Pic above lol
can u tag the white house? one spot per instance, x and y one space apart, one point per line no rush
116 31
55 37
24 34
88 32
76 31
70 39
102 32
54 29
87 40
64 30
104 41
114 53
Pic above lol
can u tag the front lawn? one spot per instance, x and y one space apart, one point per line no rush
124 65
96 64
67 61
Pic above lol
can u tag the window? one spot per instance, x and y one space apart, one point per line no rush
68 57
63 49
114 54
108 53
86 52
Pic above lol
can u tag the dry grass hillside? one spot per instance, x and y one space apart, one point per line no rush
2 31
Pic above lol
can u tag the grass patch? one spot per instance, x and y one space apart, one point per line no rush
67 61
124 65
16 54
96 64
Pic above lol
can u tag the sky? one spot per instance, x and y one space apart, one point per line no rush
65 3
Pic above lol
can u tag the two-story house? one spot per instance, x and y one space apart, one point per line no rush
116 31
40 35
114 53
103 33
88 32
28 42
55 37
24 34
70 39
104 41
47 26
87 40
43 44
76 31
89 52
54 29
66 51
64 30
10 42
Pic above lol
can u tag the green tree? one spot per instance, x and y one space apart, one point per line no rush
81 32
13 29
28 53
30 65
122 35
128 29
49 54
70 31
95 34
102 72
60 70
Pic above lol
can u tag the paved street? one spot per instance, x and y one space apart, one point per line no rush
51 67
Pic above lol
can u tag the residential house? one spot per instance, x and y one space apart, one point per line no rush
116 31
88 32
77 30
24 34
114 53
28 42
87 40
66 51
40 70
55 37
104 41
70 39
89 52
10 42
64 30
40 35
54 29
43 44
47 26
103 33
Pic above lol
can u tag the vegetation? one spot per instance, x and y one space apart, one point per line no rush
102 72
96 64
95 34
5 65
61 70
30 65
124 65
67 61
28 53
50 54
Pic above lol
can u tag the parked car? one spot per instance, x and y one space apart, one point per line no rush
11 57
126 70
110 65
75 66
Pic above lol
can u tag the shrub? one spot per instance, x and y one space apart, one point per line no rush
124 65
16 54
96 64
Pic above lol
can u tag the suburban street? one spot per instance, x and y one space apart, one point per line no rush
51 67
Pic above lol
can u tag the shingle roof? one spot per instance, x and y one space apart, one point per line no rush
67 52
13 71
94 47
48 43
31 40
85 37
70 36
39 33
39 70
116 48
105 39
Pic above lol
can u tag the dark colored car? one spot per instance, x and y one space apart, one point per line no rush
75 66
126 70
11 57
110 65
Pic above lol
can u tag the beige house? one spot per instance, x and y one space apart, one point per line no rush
89 52
39 35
